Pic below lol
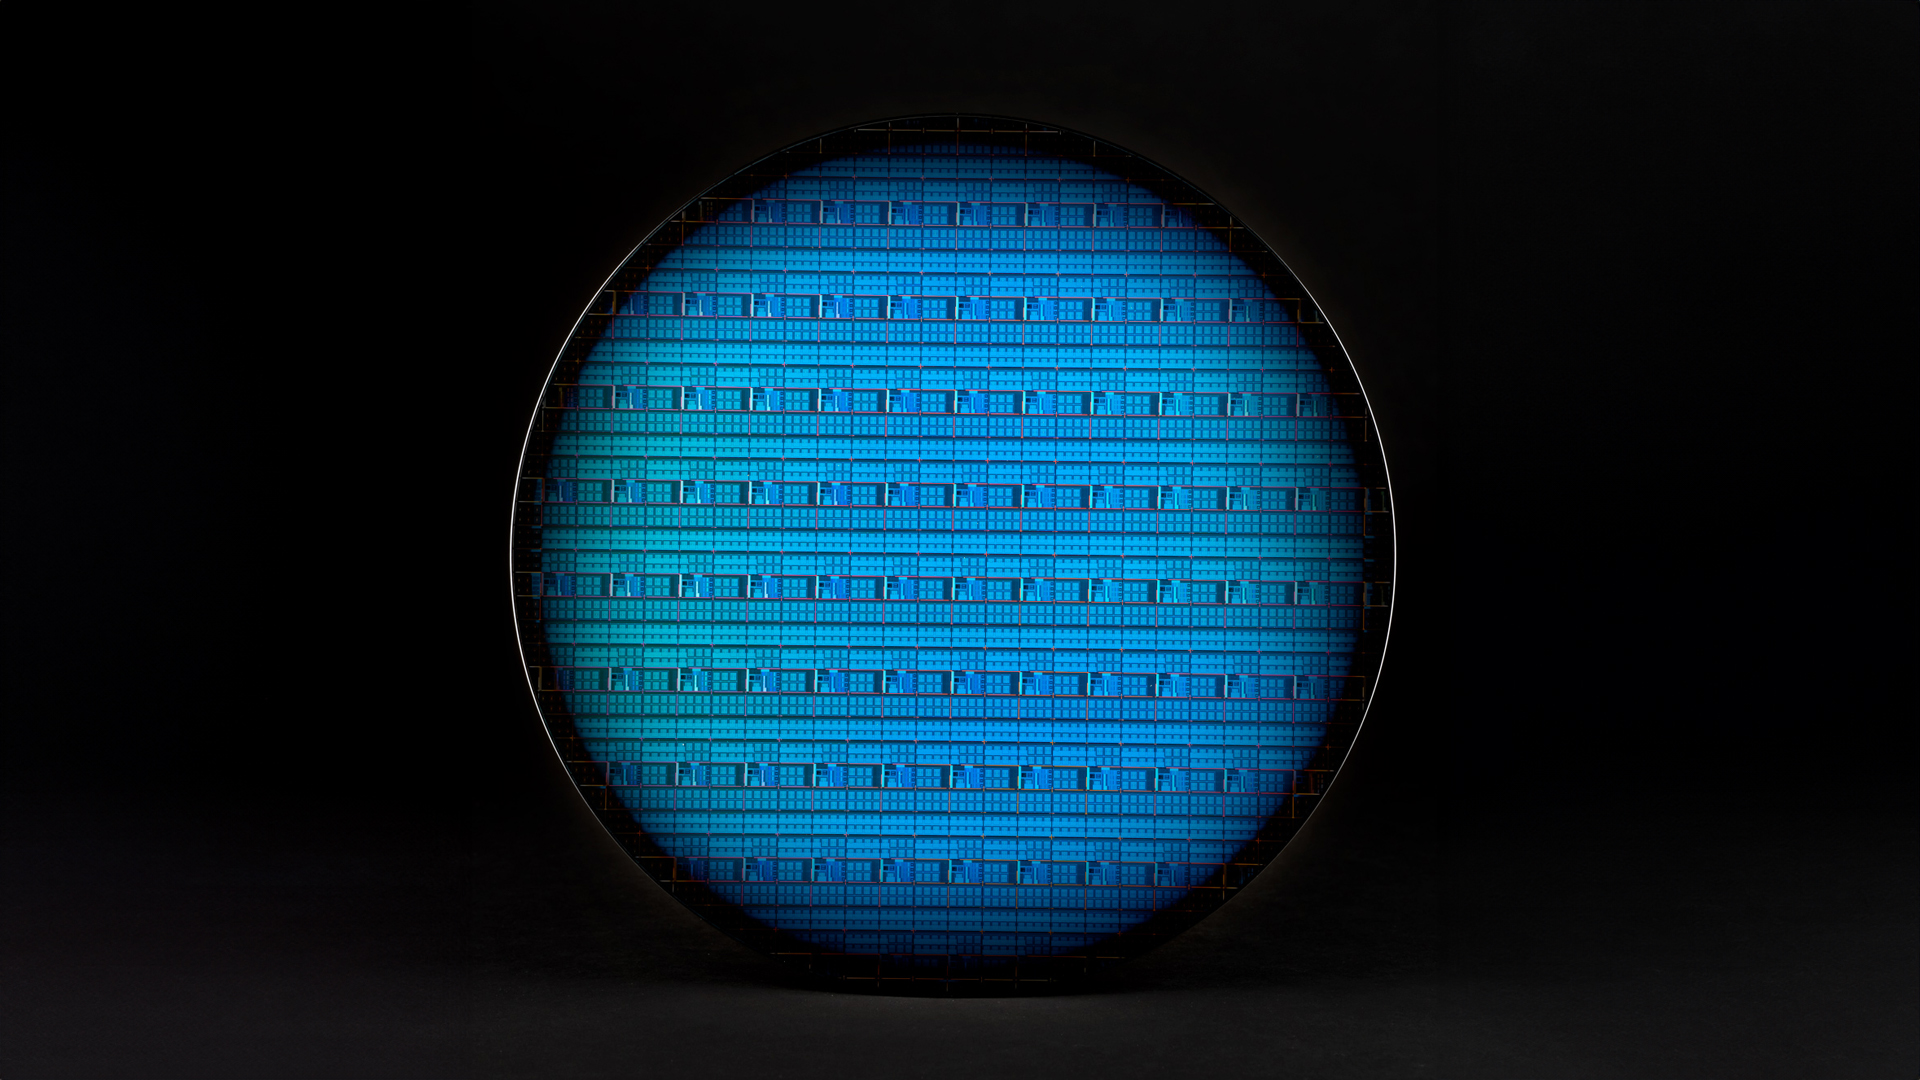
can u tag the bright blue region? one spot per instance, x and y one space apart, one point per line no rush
931 570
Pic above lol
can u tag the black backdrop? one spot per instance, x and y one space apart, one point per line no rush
1631 289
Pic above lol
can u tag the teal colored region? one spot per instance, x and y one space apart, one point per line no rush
950 562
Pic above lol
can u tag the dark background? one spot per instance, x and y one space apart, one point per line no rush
1632 289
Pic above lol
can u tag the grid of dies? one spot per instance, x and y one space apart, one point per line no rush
951 555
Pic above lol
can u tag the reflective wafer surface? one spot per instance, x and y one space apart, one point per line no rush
953 550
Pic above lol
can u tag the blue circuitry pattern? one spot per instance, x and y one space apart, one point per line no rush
952 551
